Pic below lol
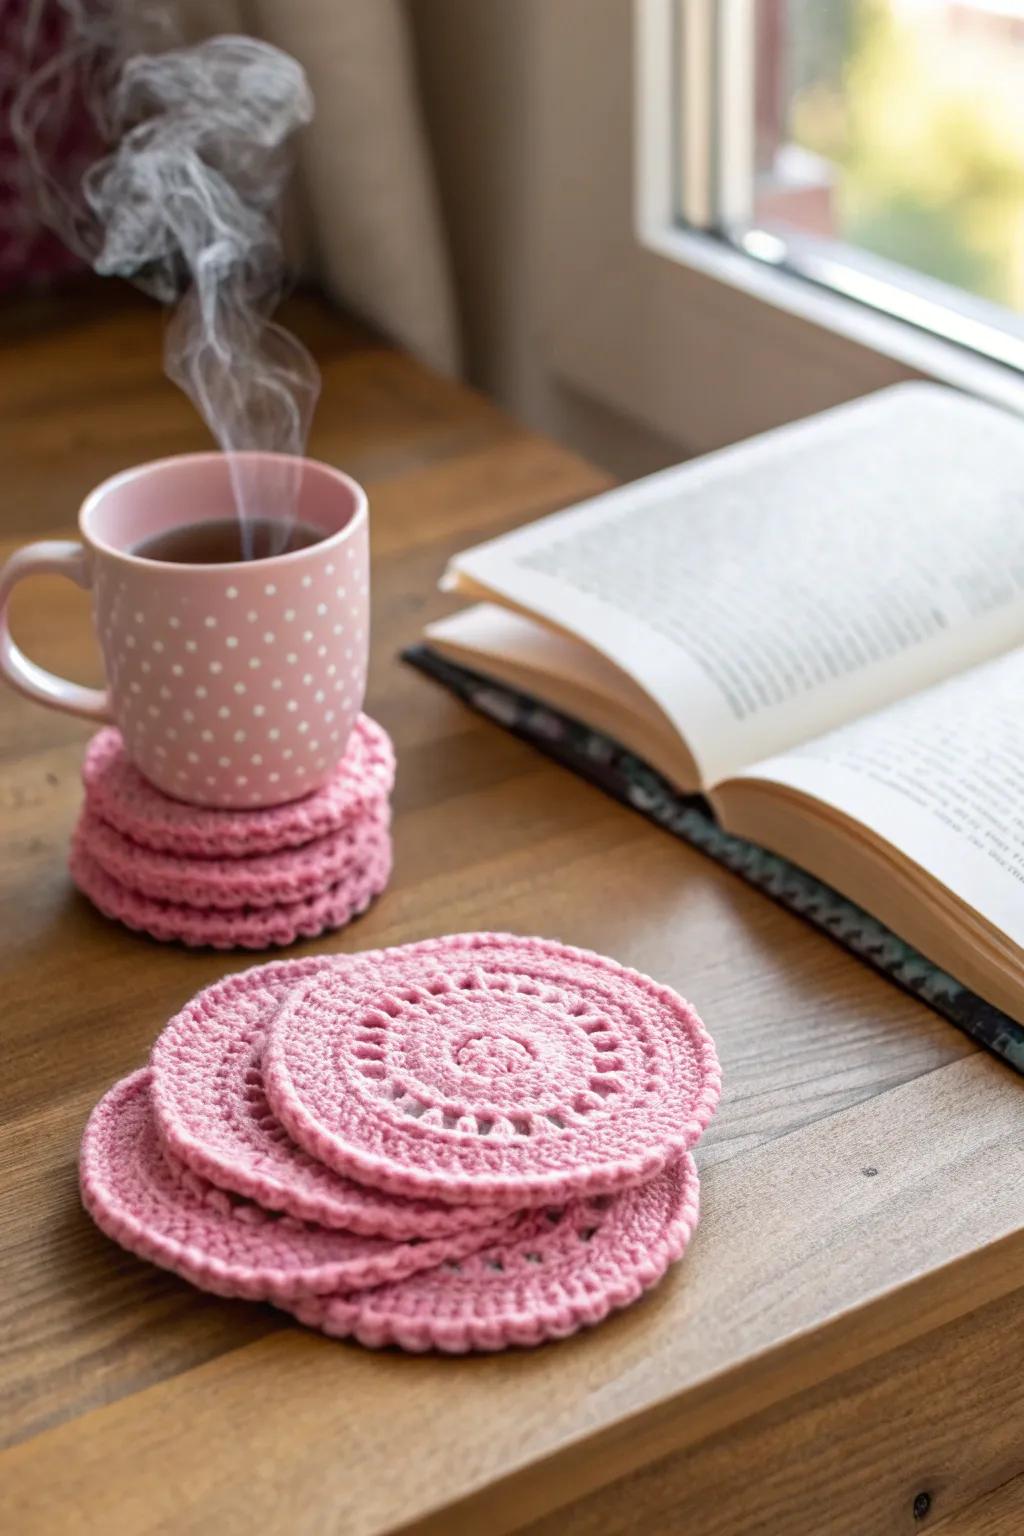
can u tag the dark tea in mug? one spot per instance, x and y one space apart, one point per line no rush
224 540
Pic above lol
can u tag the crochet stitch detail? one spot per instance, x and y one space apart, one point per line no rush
117 792
563 1268
210 1108
467 1143
235 879
246 928
138 1194
264 880
489 1068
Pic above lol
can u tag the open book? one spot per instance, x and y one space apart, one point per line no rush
822 630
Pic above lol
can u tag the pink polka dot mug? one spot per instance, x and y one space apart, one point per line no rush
233 684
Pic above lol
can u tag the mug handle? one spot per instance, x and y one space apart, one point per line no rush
61 557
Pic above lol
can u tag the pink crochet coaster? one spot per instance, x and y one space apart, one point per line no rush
211 1111
486 1067
265 880
247 927
561 1270
139 1195
120 796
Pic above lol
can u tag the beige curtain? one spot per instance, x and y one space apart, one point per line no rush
374 234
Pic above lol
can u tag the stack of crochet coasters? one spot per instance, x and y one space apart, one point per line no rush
235 879
467 1143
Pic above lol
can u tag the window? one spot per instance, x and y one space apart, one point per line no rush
871 147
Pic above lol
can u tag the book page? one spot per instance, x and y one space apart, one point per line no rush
941 778
489 632
563 674
770 592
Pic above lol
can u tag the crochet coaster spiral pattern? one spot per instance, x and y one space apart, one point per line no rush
140 1196
466 1143
211 1112
491 1069
119 795
562 1269
235 879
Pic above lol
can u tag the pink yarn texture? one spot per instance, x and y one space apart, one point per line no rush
139 1195
247 927
467 1143
211 1112
562 1269
488 1068
265 880
120 796
235 879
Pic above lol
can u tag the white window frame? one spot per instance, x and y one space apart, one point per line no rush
716 188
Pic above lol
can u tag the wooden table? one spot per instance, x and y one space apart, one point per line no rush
842 1349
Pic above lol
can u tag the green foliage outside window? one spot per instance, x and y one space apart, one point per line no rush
925 123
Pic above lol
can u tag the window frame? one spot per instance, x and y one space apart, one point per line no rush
699 169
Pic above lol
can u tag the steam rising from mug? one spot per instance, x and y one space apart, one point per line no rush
185 203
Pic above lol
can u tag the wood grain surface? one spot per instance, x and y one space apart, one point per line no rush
844 1336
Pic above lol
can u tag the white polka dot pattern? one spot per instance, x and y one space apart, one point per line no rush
231 689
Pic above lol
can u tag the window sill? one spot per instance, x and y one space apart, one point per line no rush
903 343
